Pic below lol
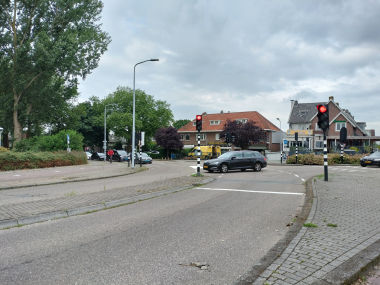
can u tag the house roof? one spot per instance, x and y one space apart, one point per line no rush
303 112
254 116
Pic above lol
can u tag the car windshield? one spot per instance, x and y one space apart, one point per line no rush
122 152
375 154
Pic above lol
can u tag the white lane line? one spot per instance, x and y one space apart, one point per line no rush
303 180
296 175
17 175
251 191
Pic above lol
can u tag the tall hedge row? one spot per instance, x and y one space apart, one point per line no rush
333 158
10 160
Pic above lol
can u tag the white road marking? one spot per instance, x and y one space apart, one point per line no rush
296 175
17 175
57 171
303 180
251 191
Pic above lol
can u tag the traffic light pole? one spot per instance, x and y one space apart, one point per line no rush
199 155
325 162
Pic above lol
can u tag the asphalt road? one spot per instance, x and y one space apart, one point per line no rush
228 225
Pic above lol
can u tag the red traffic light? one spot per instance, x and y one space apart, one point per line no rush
198 117
322 108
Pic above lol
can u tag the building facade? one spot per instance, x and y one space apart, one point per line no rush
213 125
303 120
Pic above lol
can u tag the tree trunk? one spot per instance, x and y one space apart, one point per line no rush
17 130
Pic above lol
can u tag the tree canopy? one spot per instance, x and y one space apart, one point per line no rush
180 123
243 134
169 139
45 45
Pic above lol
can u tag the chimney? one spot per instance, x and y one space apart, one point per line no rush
293 102
331 98
221 112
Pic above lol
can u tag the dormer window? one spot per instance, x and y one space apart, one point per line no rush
243 121
214 122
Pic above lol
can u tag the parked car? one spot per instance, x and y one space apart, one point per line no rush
119 155
372 159
145 158
88 154
244 159
98 156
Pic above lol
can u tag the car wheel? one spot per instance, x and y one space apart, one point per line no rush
363 165
211 171
257 167
242 170
224 168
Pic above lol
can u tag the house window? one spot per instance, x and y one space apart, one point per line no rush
187 137
214 122
217 137
181 137
318 144
194 123
317 128
243 121
339 125
202 137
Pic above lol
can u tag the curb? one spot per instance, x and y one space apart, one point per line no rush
73 180
43 217
308 209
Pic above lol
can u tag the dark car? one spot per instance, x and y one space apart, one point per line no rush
98 156
145 158
244 159
119 155
372 159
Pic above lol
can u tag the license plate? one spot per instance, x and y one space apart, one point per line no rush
368 162
205 166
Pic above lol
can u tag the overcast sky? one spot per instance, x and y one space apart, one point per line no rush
244 55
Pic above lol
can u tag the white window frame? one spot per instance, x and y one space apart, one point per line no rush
319 142
214 122
317 128
217 137
181 137
187 137
340 124
202 137
243 121
194 123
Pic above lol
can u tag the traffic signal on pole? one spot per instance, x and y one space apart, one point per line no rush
296 136
198 122
323 117
343 135
228 138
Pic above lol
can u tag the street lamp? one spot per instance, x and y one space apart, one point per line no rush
281 138
134 107
1 132
105 130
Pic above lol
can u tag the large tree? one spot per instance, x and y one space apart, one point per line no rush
243 134
180 123
45 45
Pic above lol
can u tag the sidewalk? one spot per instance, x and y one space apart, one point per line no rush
344 241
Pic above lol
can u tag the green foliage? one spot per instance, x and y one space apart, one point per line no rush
354 148
180 123
45 46
310 225
333 158
20 160
51 143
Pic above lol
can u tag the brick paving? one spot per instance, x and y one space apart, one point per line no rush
347 215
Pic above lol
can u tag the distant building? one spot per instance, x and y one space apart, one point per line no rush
213 125
303 119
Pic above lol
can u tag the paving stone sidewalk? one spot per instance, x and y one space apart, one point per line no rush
346 239
31 212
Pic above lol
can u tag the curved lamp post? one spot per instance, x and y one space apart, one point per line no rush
134 107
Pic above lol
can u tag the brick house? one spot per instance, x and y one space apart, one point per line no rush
213 125
303 119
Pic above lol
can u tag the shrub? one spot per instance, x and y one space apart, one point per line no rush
3 149
20 160
51 143
333 158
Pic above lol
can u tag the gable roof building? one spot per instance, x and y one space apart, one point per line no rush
303 120
213 125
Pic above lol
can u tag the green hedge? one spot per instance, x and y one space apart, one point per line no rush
55 142
11 160
333 158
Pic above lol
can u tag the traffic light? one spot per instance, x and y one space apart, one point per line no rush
198 124
296 136
323 117
343 135
228 138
